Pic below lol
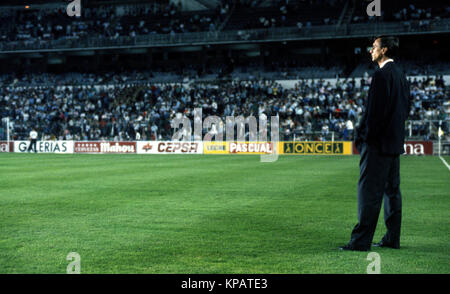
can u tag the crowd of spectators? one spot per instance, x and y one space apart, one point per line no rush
415 16
132 106
109 23
284 13
43 25
308 110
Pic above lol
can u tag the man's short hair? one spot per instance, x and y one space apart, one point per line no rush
391 43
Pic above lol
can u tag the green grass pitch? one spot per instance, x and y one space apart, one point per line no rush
209 214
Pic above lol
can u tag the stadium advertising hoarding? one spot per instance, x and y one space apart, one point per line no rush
418 148
198 147
289 148
413 148
250 147
5 148
87 147
45 146
105 147
169 147
238 148
317 148
215 147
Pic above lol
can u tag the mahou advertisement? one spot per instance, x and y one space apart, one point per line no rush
105 147
118 147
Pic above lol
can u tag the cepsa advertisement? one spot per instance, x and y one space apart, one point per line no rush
169 147
45 146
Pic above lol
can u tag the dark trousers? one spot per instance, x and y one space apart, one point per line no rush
379 179
32 144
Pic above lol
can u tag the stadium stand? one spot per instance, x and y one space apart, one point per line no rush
415 14
284 14
53 24
110 109
112 96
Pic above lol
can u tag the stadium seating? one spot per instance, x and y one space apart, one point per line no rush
118 103
97 107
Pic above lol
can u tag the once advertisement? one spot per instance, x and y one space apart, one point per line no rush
317 148
169 147
45 146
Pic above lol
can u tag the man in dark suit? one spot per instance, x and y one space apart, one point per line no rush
380 138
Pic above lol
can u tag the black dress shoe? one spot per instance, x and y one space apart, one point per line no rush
386 245
352 248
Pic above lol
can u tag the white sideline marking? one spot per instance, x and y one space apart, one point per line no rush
445 162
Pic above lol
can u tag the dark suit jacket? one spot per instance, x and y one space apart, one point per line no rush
387 106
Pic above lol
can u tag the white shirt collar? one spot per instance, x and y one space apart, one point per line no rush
386 61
